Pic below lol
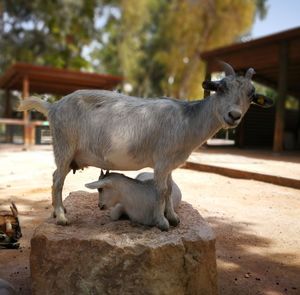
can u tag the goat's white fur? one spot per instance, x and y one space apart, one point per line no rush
113 131
137 198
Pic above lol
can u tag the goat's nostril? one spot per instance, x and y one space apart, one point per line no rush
235 115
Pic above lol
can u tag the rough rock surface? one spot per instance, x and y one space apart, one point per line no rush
97 256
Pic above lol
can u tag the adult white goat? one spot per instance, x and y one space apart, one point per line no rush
113 131
137 198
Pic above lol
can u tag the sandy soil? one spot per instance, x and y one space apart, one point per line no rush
256 224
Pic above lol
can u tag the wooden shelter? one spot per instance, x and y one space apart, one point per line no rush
29 78
276 60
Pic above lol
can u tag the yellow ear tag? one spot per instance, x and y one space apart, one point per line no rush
261 100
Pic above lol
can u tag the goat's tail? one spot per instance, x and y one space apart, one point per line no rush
35 103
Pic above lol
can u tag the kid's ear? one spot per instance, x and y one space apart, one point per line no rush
262 101
102 183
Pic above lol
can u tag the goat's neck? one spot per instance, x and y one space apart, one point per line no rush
203 121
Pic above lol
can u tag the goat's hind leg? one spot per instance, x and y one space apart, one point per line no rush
59 176
64 155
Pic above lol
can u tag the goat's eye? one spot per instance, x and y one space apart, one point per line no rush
251 94
222 88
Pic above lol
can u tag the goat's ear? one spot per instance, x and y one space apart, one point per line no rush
14 209
262 101
101 174
211 85
102 183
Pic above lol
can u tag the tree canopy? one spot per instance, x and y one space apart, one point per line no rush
154 44
47 32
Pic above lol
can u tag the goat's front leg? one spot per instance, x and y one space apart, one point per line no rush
160 180
116 212
169 210
59 176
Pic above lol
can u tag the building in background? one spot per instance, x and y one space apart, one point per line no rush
29 127
276 60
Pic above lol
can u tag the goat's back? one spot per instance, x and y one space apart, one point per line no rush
120 132
175 194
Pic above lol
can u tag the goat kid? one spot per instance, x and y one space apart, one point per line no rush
143 176
10 228
137 198
113 131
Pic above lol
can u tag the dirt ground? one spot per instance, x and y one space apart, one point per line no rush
256 224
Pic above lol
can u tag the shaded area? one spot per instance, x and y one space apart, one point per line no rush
242 269
276 60
15 263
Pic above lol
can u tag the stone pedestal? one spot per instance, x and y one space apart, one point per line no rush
97 256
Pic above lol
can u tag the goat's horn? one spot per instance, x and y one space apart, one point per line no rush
250 73
107 172
14 205
14 209
228 69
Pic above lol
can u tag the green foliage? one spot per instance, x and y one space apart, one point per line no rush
156 43
46 32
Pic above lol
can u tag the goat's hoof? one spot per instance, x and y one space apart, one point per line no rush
174 220
54 214
101 206
62 221
163 225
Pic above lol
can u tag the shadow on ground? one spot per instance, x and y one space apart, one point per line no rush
15 263
243 271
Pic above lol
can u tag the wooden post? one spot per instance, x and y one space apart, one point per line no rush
207 77
282 92
28 128
8 114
